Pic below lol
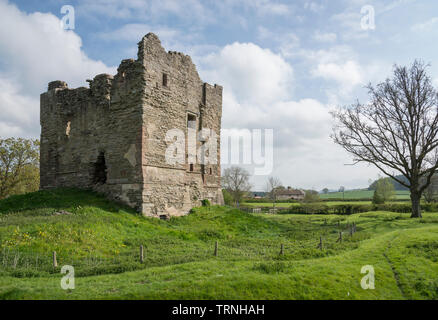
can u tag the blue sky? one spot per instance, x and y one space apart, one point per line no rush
283 64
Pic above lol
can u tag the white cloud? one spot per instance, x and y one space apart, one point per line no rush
18 112
250 73
150 10
288 42
269 7
350 23
37 51
348 74
425 26
324 36
313 6
171 39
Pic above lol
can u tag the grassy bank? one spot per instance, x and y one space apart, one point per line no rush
101 240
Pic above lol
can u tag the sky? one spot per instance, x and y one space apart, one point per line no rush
283 64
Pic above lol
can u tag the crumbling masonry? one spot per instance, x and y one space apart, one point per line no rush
110 137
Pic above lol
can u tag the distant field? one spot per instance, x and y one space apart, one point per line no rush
328 203
361 194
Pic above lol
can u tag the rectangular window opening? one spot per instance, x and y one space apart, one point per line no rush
191 121
164 79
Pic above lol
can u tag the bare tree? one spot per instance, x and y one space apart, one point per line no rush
272 188
342 189
236 181
397 130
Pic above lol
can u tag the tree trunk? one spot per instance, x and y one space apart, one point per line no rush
415 199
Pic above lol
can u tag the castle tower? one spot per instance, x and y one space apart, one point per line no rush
115 136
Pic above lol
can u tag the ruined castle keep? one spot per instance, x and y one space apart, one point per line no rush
110 137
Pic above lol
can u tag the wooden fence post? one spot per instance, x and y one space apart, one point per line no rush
216 247
320 243
141 254
340 237
55 263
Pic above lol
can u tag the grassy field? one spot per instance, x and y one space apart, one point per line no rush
101 240
289 204
362 194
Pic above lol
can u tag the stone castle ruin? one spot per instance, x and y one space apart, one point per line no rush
110 137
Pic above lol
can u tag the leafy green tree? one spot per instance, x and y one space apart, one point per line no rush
377 198
325 190
228 199
384 191
397 185
311 196
19 166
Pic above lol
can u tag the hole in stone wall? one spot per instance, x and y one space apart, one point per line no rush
99 176
164 80
191 121
211 171
191 167
68 129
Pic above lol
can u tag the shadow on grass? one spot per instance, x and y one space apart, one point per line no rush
60 199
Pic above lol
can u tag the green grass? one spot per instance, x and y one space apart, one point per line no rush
362 194
290 204
101 240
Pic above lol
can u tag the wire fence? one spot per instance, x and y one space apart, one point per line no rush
310 244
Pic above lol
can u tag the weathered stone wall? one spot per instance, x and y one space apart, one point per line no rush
78 125
174 189
111 136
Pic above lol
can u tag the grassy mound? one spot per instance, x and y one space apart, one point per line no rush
101 240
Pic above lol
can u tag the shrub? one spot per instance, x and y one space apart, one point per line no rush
205 203
270 268
347 209
378 198
384 191
307 208
266 200
228 200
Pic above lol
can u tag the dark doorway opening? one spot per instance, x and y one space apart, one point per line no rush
99 175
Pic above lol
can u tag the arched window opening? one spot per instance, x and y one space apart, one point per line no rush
99 176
